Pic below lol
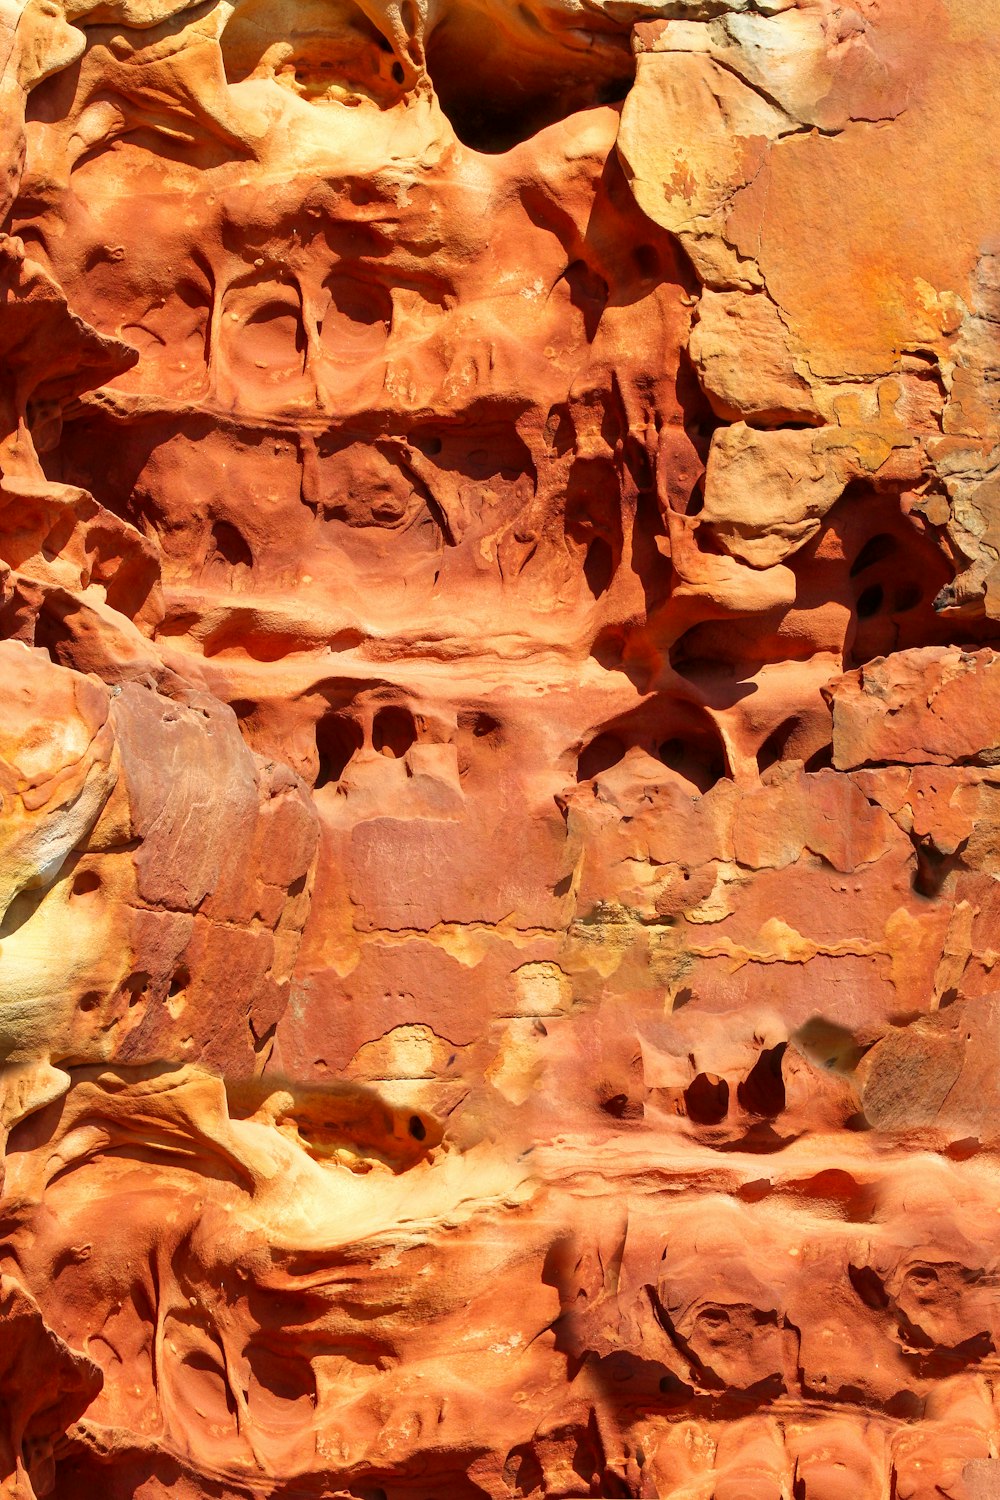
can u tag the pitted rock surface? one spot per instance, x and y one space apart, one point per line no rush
500 760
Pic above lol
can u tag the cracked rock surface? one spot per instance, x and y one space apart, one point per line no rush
500 751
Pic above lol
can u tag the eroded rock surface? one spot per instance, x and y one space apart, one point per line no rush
500 762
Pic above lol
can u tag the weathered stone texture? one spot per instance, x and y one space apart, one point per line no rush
500 749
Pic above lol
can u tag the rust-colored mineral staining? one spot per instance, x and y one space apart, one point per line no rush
500 750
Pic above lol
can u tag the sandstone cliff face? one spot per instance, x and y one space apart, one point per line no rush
500 760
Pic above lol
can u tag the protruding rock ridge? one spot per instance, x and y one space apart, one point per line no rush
500 761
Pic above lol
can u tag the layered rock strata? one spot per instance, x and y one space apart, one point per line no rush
500 761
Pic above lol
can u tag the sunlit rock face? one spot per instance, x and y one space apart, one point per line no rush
500 750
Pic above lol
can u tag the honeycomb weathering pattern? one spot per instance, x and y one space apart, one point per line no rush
500 749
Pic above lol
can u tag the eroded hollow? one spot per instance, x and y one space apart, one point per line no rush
393 731
600 755
338 739
695 757
229 546
500 82
706 1099
762 1092
774 747
681 736
319 51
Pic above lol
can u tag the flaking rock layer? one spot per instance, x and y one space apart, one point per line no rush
500 750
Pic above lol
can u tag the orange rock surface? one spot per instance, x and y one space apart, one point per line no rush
500 760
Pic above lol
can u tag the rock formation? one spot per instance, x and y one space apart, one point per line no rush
500 760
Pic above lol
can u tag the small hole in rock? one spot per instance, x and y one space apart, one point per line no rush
393 731
868 1287
647 259
397 73
962 1150
418 1129
907 598
230 546
696 760
773 748
338 738
933 866
762 1092
707 1099
180 981
588 292
876 550
86 882
497 91
600 755
870 602
135 987
820 760
621 1107
599 567
90 1001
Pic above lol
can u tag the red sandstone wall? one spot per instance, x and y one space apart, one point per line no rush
500 750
